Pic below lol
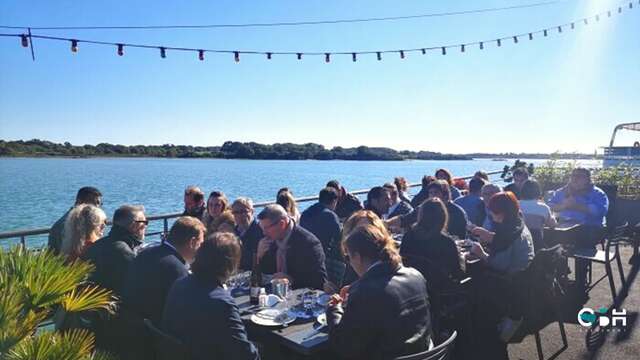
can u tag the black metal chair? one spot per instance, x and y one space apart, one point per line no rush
167 347
606 256
443 351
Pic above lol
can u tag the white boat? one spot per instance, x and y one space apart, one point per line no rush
623 155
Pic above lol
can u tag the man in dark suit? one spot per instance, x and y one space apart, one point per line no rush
290 251
398 206
148 281
347 203
247 229
322 221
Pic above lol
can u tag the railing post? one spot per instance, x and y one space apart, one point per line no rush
23 242
166 225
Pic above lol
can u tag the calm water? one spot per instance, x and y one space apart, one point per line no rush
36 192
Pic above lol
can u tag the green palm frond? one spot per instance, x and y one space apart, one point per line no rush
71 345
15 323
101 355
87 299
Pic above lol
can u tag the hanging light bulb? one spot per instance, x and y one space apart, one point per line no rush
530 36
424 51
163 52
515 39
444 50
499 42
74 46
24 40
630 5
544 32
327 57
481 45
586 21
120 49
268 56
379 56
299 55
609 13
573 26
619 9
236 56
597 17
462 48
353 57
401 54
559 29
201 55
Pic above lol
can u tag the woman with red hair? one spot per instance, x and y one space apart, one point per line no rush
509 248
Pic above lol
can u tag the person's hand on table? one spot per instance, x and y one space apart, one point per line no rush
483 234
335 300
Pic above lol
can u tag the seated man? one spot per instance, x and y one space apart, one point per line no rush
290 251
247 229
86 195
423 194
200 311
193 202
154 270
488 190
378 201
113 254
520 175
398 206
322 221
347 203
472 202
148 281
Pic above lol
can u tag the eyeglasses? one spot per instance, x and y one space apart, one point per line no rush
240 212
145 222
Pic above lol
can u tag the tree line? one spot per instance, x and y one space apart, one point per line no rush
228 150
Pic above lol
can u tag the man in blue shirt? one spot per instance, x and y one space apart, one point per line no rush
580 202
472 202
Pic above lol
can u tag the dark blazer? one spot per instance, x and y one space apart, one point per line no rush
514 189
403 208
250 239
421 196
305 259
206 318
387 315
111 256
324 224
54 242
149 279
438 249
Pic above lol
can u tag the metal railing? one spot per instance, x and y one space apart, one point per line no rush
23 234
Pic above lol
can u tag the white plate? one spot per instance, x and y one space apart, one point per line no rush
322 319
273 317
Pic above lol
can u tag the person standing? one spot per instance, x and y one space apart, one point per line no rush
86 195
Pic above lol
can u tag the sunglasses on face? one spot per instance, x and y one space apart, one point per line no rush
145 222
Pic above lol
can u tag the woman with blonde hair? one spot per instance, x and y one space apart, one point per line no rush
286 200
363 218
217 205
84 225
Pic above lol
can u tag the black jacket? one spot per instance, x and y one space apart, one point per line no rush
403 208
387 315
111 256
206 318
196 213
305 260
347 206
420 197
55 234
514 189
149 279
438 249
250 239
456 226
324 224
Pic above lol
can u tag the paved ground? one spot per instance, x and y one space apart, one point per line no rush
618 344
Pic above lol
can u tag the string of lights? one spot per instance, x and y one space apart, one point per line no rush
291 23
26 40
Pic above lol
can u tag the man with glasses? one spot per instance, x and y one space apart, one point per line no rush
290 251
112 254
247 229
86 195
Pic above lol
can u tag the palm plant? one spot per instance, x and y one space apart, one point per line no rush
33 287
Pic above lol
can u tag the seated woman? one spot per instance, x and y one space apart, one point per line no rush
429 248
286 200
84 225
217 204
388 310
509 247
201 313
536 213
444 174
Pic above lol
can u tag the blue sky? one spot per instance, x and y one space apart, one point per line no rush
563 92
